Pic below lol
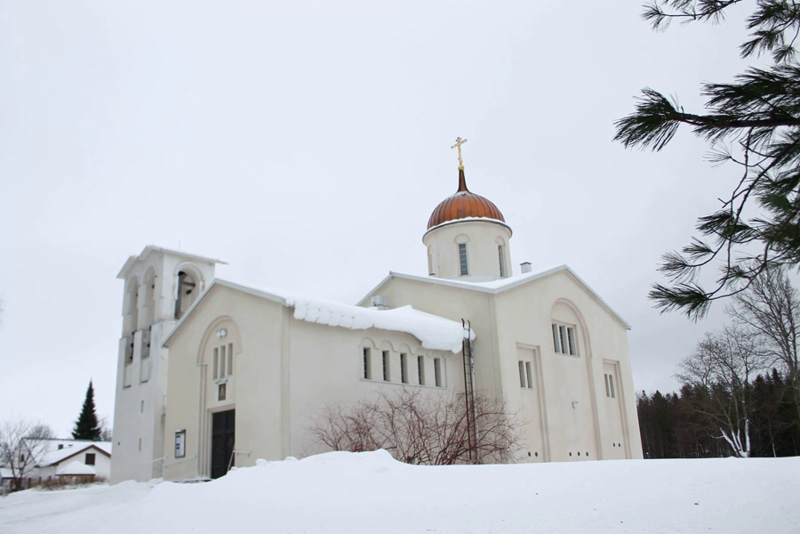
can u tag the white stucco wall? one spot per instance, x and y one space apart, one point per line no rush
482 238
142 384
515 324
284 374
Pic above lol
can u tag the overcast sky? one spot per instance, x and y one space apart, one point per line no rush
306 144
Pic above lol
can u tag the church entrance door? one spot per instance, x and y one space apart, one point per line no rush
223 437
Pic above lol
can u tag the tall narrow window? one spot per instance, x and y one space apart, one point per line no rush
556 344
146 342
216 363
571 340
404 368
610 386
230 359
462 257
562 337
367 366
522 383
529 374
437 371
421 369
386 376
502 261
222 361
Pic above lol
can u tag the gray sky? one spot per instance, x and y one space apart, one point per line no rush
306 143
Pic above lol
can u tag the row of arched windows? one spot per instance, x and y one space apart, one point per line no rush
401 366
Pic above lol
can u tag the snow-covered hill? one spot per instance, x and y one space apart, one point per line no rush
370 492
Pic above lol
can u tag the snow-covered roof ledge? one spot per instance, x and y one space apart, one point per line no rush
434 332
75 468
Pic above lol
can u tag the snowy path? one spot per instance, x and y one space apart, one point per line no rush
369 492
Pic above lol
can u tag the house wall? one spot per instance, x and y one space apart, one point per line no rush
102 466
515 325
284 374
596 424
253 325
326 368
455 304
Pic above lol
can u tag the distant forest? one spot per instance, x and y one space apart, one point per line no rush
676 425
740 393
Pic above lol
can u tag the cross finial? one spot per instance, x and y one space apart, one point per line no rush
458 144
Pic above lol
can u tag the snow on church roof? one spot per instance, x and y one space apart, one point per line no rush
434 332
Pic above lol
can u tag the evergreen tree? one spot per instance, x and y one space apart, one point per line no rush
753 123
87 427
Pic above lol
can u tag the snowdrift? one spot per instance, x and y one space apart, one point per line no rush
370 492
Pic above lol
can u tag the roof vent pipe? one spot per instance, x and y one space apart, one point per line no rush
525 266
380 302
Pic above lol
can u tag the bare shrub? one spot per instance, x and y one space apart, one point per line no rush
418 428
66 482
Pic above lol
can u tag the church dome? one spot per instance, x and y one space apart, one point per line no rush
464 204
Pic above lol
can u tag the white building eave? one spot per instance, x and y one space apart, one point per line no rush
218 281
498 286
150 249
467 220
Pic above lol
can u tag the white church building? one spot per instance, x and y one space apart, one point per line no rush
213 374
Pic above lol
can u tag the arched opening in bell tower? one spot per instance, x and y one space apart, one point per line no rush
188 289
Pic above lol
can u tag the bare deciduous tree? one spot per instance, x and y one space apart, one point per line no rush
417 428
105 429
22 446
722 369
771 309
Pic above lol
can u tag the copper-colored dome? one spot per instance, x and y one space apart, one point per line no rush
463 205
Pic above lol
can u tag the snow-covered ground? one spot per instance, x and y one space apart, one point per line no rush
370 492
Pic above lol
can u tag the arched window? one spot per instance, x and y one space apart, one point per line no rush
501 254
132 309
463 259
149 301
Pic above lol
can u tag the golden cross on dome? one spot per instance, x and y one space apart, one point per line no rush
458 144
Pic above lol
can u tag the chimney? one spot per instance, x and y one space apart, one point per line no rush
525 266
380 302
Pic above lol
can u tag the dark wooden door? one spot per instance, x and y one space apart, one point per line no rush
223 437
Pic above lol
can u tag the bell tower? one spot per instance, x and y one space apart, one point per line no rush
467 237
160 287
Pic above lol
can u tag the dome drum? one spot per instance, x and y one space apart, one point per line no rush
461 245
